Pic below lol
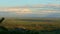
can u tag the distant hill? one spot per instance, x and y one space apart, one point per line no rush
54 15
13 14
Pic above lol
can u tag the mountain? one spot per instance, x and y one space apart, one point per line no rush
13 14
54 15
7 14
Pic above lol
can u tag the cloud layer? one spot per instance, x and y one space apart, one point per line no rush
40 9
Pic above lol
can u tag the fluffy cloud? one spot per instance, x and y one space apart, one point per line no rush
24 11
17 10
44 12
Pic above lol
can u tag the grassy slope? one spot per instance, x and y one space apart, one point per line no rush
20 23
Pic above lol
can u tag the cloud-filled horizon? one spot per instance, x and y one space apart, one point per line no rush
29 7
37 9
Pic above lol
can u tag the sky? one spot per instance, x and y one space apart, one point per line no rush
12 3
30 7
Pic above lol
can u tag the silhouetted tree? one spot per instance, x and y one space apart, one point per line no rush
2 27
1 20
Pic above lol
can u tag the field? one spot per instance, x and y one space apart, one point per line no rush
46 25
36 24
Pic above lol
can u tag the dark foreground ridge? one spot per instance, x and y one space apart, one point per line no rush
25 31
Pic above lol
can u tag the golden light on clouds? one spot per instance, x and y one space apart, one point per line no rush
27 10
21 10
17 10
